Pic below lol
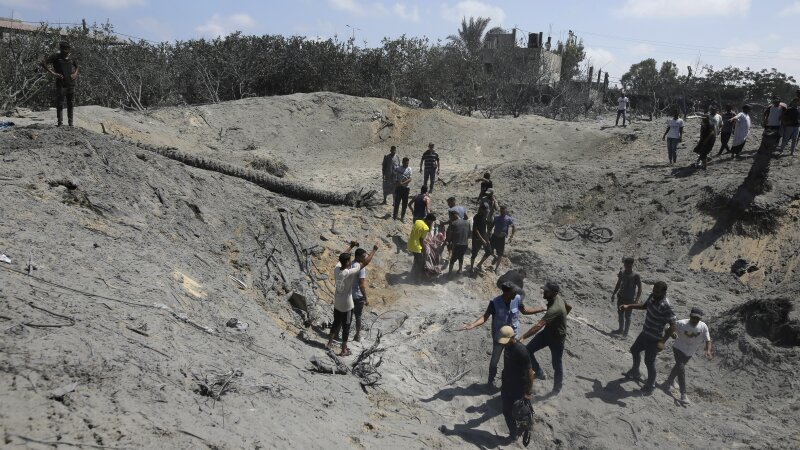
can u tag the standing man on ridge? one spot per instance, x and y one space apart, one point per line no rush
403 179
65 70
390 163
429 166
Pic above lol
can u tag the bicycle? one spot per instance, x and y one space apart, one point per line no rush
591 232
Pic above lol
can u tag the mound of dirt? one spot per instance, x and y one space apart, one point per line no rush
154 304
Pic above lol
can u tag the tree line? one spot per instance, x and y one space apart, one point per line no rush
140 74
658 89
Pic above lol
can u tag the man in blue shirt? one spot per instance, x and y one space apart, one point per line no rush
504 310
498 231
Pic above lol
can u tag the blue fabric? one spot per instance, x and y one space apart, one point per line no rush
505 315
6 125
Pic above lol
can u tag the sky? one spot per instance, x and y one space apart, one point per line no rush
616 33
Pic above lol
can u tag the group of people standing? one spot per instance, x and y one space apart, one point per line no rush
778 118
521 367
429 236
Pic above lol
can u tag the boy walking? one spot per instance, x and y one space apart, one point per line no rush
627 292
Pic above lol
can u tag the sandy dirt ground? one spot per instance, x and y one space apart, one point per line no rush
138 262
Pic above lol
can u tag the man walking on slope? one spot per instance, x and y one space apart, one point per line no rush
420 205
550 332
430 162
403 179
498 230
627 292
690 334
65 71
727 129
416 245
390 163
345 275
479 237
741 130
652 338
622 109
504 310
457 240
517 376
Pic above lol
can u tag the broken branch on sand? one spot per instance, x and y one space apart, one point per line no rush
59 442
633 430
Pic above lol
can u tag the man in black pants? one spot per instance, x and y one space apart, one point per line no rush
652 338
403 176
65 71
727 129
551 332
517 376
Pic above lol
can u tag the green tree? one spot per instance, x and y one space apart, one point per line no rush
572 54
470 35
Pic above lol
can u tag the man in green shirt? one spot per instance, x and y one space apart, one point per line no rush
551 332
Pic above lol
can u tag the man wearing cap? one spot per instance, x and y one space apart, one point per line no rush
652 338
65 70
517 375
690 334
416 245
504 310
553 336
429 166
627 292
345 275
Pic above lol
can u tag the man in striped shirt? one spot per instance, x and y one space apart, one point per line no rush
430 162
652 338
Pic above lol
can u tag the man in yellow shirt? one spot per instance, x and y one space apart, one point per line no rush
416 247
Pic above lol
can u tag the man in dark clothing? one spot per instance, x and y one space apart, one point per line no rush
553 336
420 204
429 166
516 278
403 179
479 241
627 291
652 338
457 240
390 163
727 129
504 310
517 376
65 70
790 119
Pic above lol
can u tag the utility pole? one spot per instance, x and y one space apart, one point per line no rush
354 31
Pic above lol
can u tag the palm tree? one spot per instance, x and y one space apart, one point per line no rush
470 36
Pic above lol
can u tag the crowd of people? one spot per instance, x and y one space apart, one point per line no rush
490 229
779 120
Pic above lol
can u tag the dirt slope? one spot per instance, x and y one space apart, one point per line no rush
126 230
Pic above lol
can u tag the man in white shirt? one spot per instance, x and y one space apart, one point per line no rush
345 275
623 103
741 131
715 120
673 134
690 334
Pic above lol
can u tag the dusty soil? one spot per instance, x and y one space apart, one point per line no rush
139 262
